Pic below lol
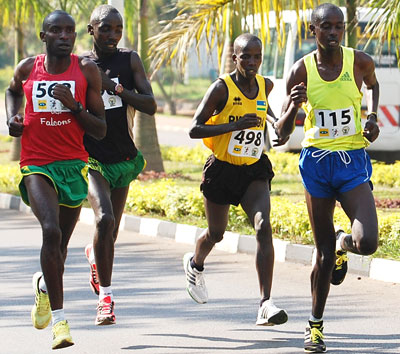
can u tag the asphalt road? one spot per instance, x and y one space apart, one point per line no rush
156 315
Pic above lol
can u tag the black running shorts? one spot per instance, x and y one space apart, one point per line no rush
224 183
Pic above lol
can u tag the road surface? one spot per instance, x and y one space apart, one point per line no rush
156 315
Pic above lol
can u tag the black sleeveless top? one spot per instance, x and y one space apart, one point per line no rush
118 143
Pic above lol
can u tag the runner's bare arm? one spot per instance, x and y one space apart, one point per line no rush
212 103
296 95
14 97
141 98
365 64
91 119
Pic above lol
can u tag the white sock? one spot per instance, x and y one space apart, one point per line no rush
91 256
105 291
57 316
339 241
314 319
42 285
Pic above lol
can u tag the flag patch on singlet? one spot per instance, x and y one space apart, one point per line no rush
261 106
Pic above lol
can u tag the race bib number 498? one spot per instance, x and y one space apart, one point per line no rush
43 99
246 143
333 124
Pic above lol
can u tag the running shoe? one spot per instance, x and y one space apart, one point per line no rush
270 315
93 278
195 284
41 311
340 268
313 338
61 336
105 312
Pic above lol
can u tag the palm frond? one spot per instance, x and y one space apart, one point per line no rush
212 21
384 23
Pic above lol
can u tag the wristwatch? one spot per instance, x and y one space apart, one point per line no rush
373 114
79 108
118 89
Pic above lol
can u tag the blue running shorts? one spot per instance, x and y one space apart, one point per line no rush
327 174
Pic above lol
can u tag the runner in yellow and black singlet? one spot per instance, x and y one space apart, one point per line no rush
232 119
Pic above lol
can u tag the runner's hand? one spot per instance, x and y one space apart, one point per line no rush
16 125
371 130
278 141
106 83
64 95
298 94
248 121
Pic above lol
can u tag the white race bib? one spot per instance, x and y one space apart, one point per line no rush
246 143
334 124
43 99
111 100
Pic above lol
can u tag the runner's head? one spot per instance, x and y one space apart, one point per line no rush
58 32
247 55
327 24
106 28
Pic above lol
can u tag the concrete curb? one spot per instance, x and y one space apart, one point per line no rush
375 268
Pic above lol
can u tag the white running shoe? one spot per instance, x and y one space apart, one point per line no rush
195 284
270 315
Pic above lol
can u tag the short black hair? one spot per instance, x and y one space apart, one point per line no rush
319 11
46 20
242 40
102 11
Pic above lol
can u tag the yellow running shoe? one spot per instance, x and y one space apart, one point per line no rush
41 312
61 336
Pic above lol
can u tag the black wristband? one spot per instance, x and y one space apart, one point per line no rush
79 108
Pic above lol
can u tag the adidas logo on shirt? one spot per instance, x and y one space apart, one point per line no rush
345 77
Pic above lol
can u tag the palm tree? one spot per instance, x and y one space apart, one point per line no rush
145 127
15 15
218 22
214 21
385 24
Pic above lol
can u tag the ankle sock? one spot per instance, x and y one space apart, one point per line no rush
194 265
57 316
105 291
42 285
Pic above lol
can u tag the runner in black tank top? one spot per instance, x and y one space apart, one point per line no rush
113 161
118 145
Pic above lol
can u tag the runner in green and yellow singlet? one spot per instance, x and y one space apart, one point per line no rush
333 163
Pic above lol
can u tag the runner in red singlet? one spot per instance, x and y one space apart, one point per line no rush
63 102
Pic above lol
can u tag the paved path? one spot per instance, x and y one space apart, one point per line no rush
155 314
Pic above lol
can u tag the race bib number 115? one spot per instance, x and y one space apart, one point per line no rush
43 99
333 124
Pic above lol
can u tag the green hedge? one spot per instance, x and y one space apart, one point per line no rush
164 198
283 163
289 220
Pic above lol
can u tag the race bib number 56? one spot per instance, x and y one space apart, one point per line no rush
334 124
246 143
43 99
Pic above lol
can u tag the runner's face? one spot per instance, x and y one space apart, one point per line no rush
107 33
329 30
248 59
59 35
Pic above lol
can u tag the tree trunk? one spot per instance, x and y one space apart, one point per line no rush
351 35
169 102
146 138
15 151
